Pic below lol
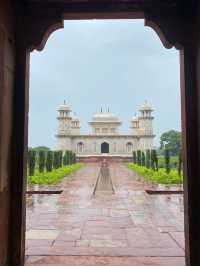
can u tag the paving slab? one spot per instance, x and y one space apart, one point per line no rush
103 261
130 225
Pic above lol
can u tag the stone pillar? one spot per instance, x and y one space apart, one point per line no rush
190 101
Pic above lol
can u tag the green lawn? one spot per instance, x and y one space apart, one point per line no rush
159 177
54 177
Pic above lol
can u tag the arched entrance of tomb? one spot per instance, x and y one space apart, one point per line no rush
104 147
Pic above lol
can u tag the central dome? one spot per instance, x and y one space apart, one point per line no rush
105 117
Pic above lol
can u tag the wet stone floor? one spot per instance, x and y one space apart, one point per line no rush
128 227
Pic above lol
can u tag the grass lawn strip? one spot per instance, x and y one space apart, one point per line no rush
54 177
159 177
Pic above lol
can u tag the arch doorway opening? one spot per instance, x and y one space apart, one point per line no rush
104 147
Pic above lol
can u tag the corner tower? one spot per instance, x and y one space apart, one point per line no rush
64 127
64 119
146 119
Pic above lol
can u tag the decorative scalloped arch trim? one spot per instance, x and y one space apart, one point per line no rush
159 32
46 35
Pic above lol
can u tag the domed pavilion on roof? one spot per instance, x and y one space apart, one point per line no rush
105 137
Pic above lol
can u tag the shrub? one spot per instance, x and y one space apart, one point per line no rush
160 176
41 161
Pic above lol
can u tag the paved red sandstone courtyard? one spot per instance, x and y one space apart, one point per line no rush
127 228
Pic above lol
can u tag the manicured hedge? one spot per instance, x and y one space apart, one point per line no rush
160 176
55 176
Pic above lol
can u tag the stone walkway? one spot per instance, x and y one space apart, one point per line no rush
127 228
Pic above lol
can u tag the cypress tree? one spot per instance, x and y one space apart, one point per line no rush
60 158
56 160
41 161
167 160
143 159
148 158
152 159
49 161
180 161
156 160
65 159
134 157
139 159
31 162
74 157
70 157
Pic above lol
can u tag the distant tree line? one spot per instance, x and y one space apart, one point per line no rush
171 140
149 159
46 160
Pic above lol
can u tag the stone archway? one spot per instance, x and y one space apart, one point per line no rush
104 147
35 21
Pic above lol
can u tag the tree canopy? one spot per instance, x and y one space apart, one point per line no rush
172 141
41 148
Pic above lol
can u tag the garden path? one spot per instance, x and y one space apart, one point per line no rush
126 228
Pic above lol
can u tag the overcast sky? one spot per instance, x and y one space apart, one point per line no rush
92 64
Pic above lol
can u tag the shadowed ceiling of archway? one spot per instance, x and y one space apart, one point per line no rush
134 5
169 18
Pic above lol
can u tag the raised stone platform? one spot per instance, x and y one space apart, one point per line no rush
108 157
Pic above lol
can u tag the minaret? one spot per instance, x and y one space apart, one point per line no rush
146 119
64 119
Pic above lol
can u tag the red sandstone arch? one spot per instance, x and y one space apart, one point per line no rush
37 20
169 36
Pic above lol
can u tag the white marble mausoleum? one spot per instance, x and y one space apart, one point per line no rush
104 136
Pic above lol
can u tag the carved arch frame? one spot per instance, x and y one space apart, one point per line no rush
40 23
170 30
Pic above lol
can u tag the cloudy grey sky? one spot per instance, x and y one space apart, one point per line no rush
92 64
